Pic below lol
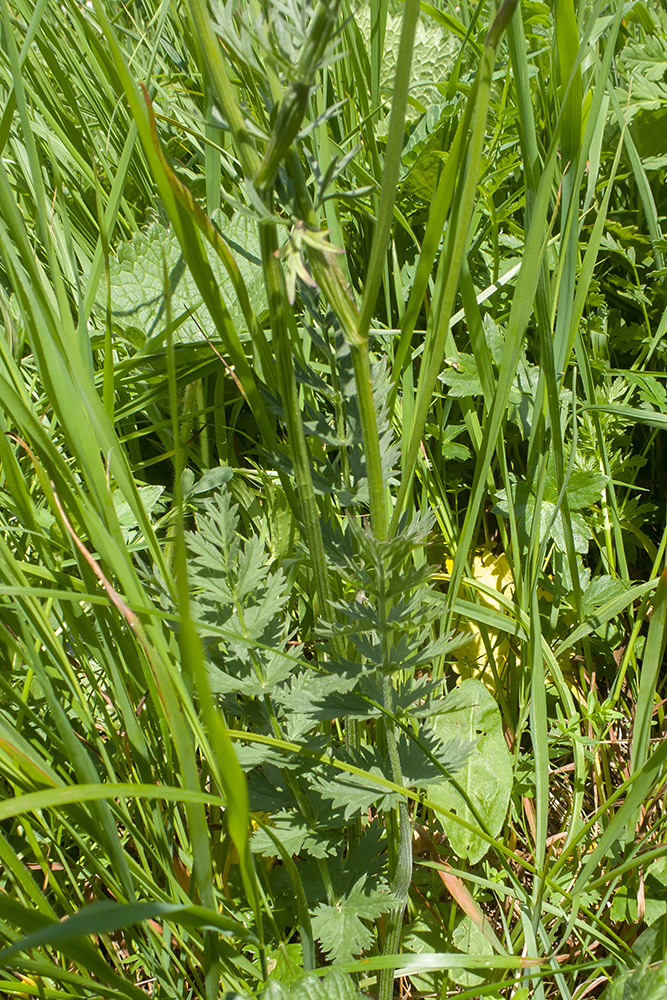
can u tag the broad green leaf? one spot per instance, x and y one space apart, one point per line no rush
424 938
655 891
435 51
468 938
485 779
584 488
290 829
127 519
422 156
461 376
212 480
137 283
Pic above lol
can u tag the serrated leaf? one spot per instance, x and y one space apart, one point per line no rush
291 830
323 697
434 53
584 488
486 777
418 768
600 590
422 155
640 984
355 793
520 404
252 756
239 606
367 854
647 58
127 519
462 376
340 928
323 842
453 450
137 280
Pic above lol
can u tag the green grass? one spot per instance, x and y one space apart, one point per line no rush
333 520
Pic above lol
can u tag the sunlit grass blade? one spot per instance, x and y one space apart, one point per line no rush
450 263
649 677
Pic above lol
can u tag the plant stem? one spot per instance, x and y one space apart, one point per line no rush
330 278
402 876
402 873
391 166
210 48
276 294
456 248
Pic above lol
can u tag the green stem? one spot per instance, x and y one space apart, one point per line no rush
294 103
330 278
210 48
369 431
402 872
391 166
277 297
435 345
402 875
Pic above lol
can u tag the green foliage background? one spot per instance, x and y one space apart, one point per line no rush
332 533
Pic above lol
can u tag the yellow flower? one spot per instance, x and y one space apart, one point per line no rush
471 659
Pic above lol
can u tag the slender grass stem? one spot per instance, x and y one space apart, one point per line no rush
277 298
210 48
392 161
457 242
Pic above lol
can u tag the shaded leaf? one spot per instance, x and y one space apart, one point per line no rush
467 937
137 281
486 778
